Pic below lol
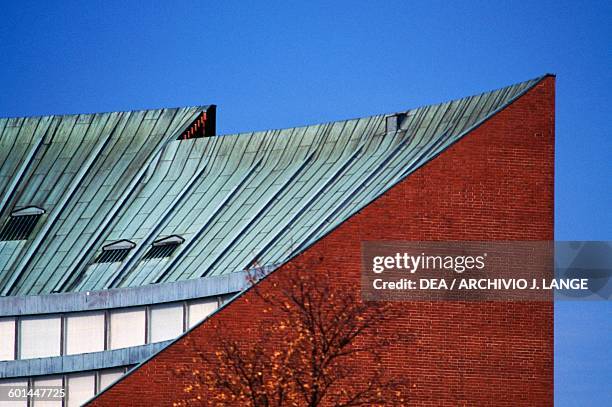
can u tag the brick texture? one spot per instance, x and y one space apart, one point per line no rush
494 184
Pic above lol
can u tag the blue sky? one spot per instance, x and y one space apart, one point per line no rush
278 64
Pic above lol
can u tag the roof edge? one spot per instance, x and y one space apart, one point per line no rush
538 79
52 115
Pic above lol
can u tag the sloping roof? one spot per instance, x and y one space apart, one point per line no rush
235 200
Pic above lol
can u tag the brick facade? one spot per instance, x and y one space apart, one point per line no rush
494 184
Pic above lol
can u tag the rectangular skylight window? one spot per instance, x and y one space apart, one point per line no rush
21 223
115 252
163 247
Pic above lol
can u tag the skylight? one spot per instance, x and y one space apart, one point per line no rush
21 223
115 252
163 247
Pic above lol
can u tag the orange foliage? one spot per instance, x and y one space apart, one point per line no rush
330 353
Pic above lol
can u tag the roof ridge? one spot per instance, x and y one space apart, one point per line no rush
66 115
535 81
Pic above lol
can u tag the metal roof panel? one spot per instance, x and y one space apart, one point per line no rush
236 200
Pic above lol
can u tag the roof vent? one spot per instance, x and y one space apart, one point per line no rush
394 122
115 252
163 247
21 223
203 126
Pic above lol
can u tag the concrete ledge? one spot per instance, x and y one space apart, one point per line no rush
123 297
78 363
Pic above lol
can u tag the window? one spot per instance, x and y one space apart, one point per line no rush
39 336
394 122
166 322
7 338
198 310
21 223
223 299
203 126
84 332
108 376
81 387
164 247
13 383
127 328
115 252
46 382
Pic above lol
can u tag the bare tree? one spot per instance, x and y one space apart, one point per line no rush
317 345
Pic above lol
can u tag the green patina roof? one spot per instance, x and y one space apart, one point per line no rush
235 199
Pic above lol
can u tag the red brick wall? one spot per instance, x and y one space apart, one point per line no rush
496 183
